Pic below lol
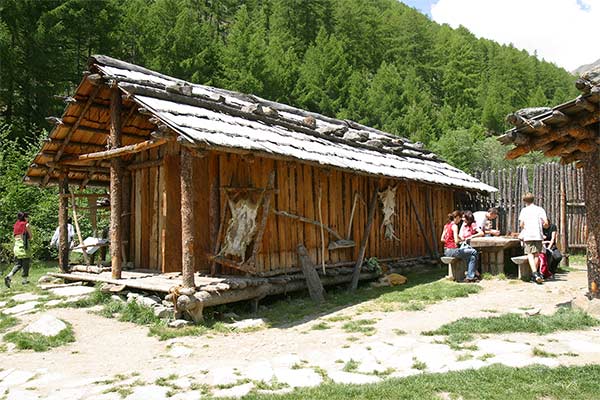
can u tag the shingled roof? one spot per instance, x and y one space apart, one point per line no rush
219 119
570 130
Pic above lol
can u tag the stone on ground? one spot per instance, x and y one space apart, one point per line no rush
46 325
223 376
591 307
71 291
247 323
21 308
150 392
236 391
179 323
26 297
179 350
298 377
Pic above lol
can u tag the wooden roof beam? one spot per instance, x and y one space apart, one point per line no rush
72 130
118 152
100 131
38 180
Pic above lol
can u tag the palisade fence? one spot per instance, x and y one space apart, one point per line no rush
557 188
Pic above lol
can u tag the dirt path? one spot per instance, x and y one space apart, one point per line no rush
105 347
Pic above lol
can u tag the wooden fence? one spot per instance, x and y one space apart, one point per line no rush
557 188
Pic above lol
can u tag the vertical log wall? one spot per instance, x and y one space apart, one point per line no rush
156 215
546 182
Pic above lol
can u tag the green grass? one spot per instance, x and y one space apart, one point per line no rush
7 321
36 271
542 353
351 366
360 326
420 365
320 326
563 319
455 341
420 290
490 383
38 342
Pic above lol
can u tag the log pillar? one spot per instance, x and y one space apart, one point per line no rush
591 178
63 217
188 233
564 238
116 185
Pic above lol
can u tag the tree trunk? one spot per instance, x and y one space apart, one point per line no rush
592 194
116 186
187 220
63 216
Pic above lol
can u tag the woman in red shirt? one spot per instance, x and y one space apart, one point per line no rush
451 241
22 236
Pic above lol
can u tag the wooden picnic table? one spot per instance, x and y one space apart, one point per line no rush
492 250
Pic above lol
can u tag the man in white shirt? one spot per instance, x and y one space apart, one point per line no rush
70 234
483 220
532 220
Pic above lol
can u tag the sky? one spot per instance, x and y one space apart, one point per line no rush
565 32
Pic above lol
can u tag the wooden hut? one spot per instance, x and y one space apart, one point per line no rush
570 131
205 181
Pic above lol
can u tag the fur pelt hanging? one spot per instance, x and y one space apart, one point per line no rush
388 207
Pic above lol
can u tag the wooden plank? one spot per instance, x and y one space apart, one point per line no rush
162 213
138 218
363 243
310 192
153 218
214 205
301 209
283 225
145 197
172 245
201 213
293 227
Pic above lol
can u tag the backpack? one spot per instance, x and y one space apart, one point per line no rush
544 268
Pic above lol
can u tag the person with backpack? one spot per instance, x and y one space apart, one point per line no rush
21 249
553 255
532 219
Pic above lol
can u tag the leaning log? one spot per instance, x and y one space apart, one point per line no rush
315 287
365 238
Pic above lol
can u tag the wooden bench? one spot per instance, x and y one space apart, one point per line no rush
456 268
523 267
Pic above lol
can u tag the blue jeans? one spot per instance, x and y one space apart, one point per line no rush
469 255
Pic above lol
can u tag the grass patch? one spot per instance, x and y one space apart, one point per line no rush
455 341
495 382
38 342
36 271
351 366
564 319
420 365
541 353
320 326
464 357
399 332
7 321
419 295
363 326
420 290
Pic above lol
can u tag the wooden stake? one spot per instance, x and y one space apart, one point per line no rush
363 242
414 208
76 222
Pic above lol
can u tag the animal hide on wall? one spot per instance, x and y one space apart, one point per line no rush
388 207
241 228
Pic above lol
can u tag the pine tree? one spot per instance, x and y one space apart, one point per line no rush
324 73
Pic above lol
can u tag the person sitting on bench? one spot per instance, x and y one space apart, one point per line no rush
553 255
451 245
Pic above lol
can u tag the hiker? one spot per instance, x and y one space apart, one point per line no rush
553 255
451 245
55 241
532 219
484 219
22 237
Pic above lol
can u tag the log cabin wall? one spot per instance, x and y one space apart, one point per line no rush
156 211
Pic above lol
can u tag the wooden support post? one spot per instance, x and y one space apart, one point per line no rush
188 232
116 185
591 177
63 216
421 227
126 216
363 241
315 287
429 206
564 238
